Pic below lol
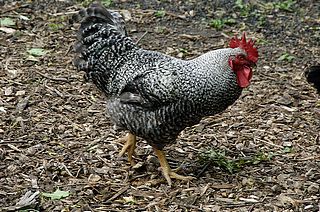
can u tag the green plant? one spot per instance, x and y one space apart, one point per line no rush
37 52
7 22
259 157
261 21
220 23
243 7
106 3
261 41
58 194
219 158
288 149
160 29
285 5
182 50
286 57
216 23
160 13
55 27
86 3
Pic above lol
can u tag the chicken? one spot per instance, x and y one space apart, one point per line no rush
153 95
313 76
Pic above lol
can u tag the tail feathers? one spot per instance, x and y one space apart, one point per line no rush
313 76
96 13
101 41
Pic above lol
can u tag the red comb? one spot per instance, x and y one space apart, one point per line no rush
247 46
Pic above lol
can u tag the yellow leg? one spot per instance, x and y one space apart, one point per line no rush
166 170
129 147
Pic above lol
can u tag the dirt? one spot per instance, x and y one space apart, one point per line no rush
55 134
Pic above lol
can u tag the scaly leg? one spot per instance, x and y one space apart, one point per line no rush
166 170
129 147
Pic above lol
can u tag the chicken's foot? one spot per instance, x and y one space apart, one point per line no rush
129 147
166 170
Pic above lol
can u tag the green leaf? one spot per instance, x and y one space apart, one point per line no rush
107 3
230 21
286 57
217 23
160 13
287 149
219 159
285 5
282 57
58 194
37 52
55 27
7 22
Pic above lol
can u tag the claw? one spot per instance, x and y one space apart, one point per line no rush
166 170
129 147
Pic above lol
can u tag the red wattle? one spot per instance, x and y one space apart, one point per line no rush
244 76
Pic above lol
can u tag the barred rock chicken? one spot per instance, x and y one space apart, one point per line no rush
313 76
153 95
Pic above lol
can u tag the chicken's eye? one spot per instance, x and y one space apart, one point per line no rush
241 57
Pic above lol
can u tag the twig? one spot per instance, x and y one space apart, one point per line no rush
52 78
121 191
144 34
205 189
69 50
64 13
14 147
55 90
150 11
2 142
236 205
190 206
100 158
67 170
195 149
138 176
14 8
308 158
269 142
247 200
203 169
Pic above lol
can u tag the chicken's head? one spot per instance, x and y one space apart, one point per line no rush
242 63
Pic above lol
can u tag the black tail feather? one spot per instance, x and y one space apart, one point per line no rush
94 10
97 13
102 44
99 29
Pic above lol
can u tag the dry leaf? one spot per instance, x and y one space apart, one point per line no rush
7 30
94 178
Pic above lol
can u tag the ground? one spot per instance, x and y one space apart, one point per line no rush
261 154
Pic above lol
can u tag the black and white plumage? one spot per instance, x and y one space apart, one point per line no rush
170 95
153 95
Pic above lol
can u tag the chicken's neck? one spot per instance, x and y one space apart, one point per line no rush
218 85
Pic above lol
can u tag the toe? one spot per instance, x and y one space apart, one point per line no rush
180 177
